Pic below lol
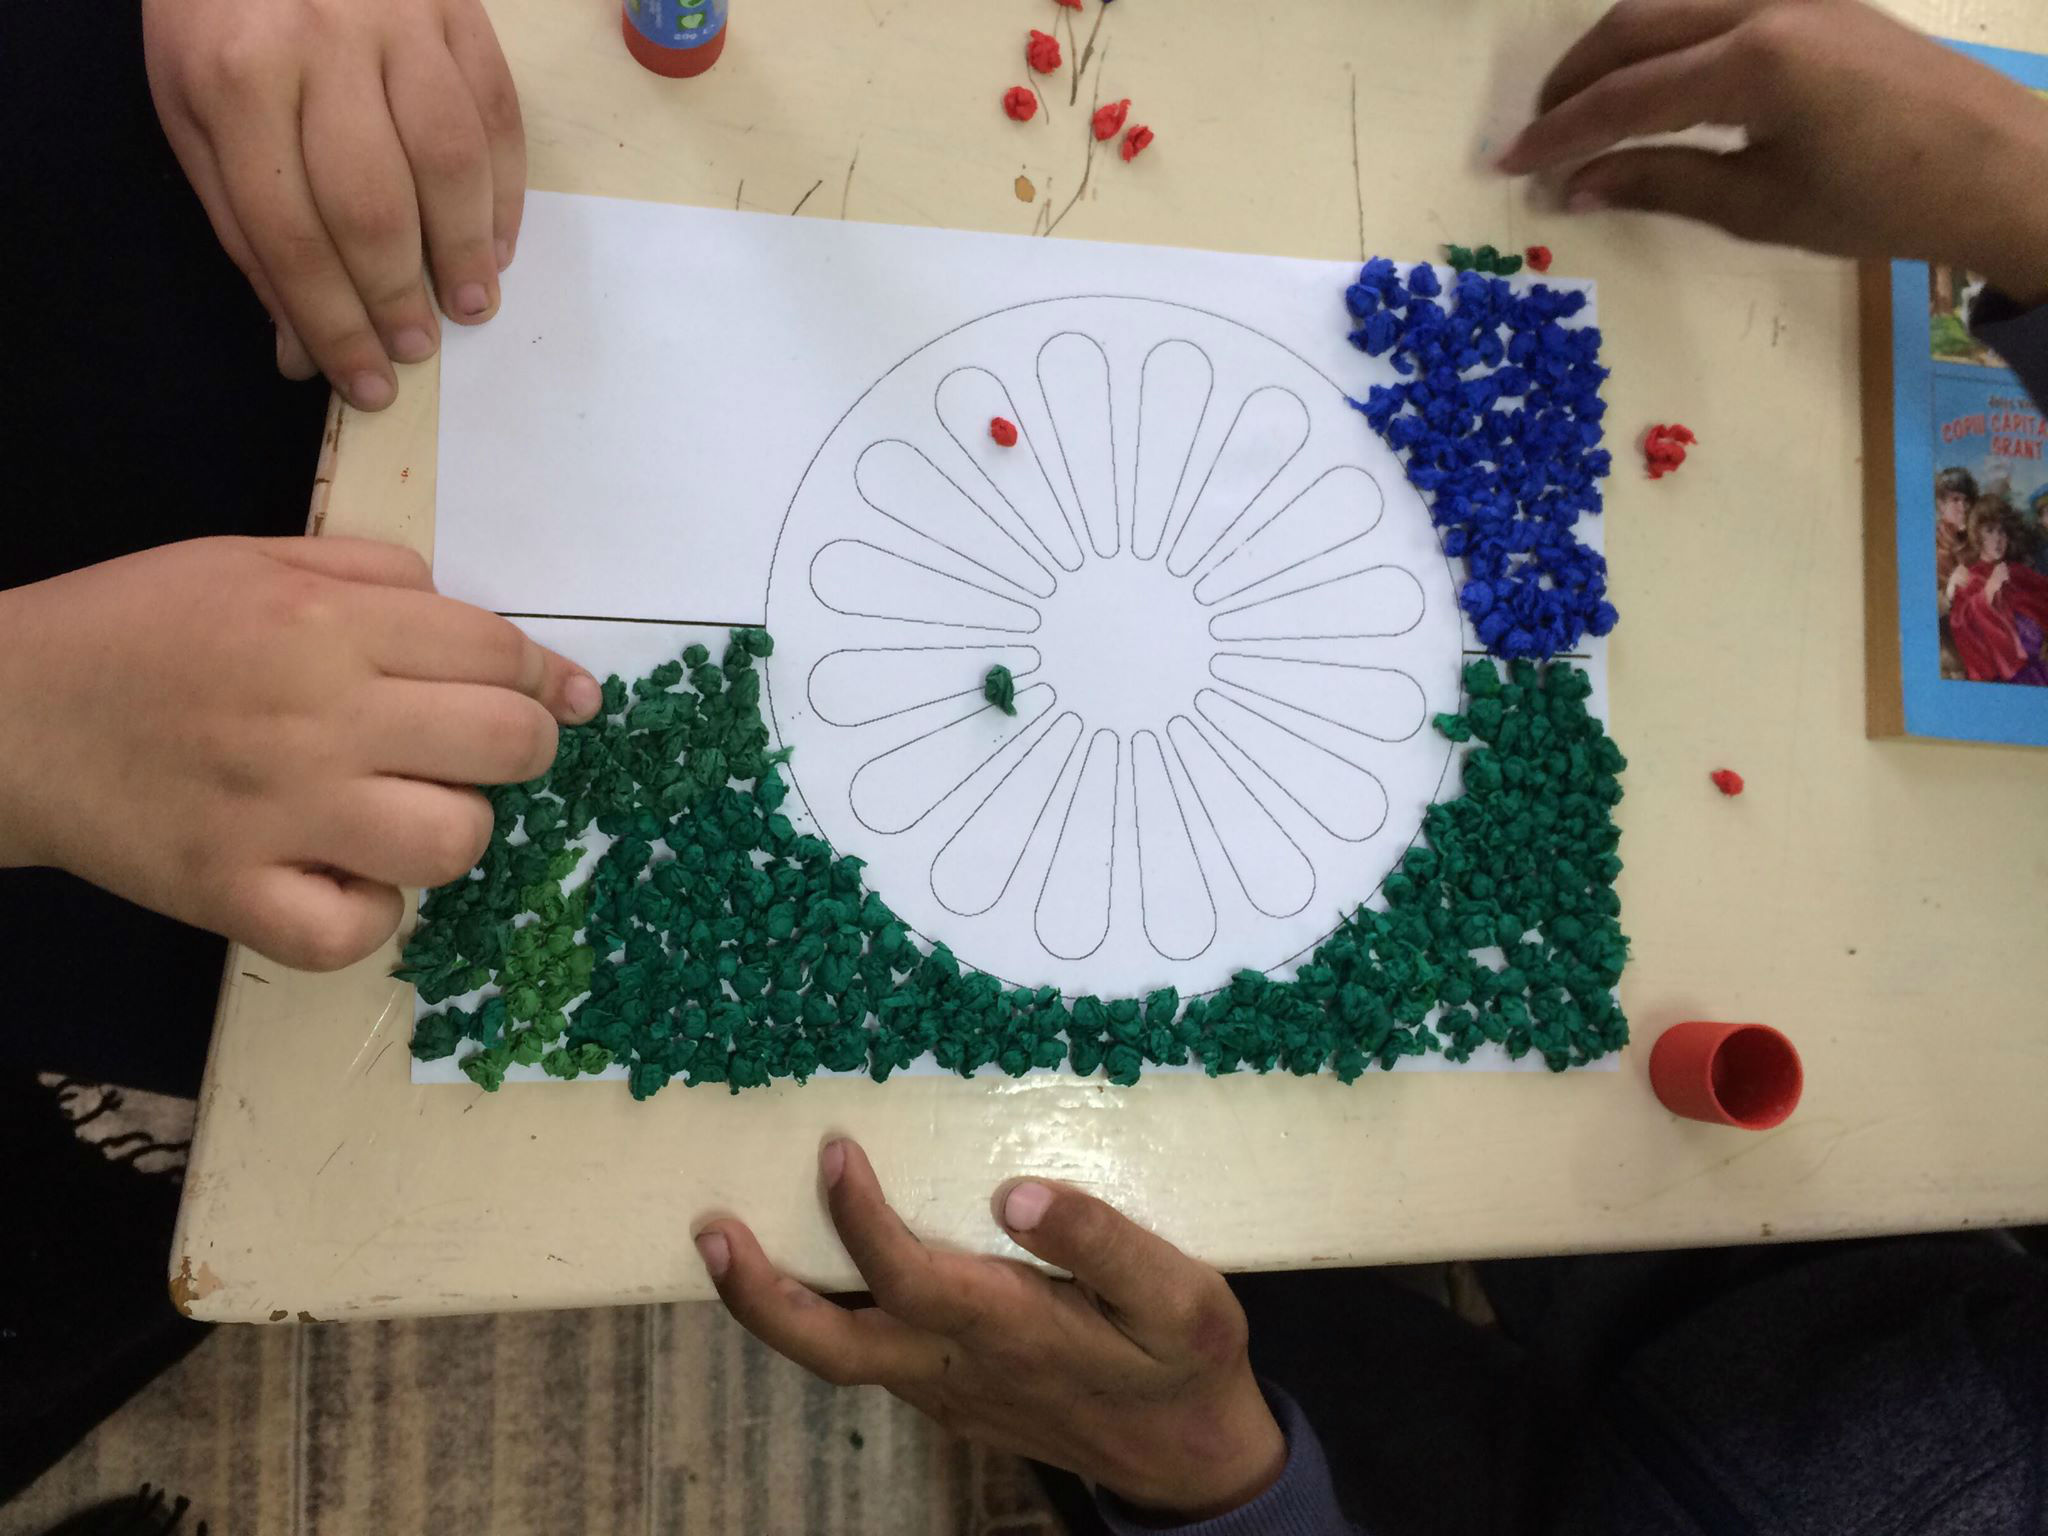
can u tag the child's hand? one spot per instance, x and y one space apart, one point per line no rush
330 140
1133 1374
266 737
1865 137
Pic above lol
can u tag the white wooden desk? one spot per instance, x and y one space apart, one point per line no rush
1883 904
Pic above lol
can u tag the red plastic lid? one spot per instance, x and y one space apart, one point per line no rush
1746 1075
676 63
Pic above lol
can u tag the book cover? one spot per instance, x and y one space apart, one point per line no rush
1956 508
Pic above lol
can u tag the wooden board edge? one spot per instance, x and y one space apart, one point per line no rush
1884 684
191 1284
323 470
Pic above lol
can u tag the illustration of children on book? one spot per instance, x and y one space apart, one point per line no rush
1955 491
1997 606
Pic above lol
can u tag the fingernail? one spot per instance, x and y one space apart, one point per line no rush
832 1162
1585 202
470 299
370 391
1024 1205
412 345
504 254
716 1253
582 696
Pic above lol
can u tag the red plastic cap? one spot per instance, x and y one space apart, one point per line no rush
1745 1075
675 63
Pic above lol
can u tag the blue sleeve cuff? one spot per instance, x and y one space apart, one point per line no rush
1302 1503
2020 336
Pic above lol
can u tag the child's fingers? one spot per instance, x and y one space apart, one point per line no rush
265 175
451 166
314 919
1634 30
363 189
293 360
401 832
482 62
842 1347
1163 1299
195 155
1723 190
1660 95
435 639
456 733
939 1292
363 560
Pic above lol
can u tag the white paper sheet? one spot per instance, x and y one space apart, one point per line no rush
1226 609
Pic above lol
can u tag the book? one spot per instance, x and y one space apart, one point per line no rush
1955 508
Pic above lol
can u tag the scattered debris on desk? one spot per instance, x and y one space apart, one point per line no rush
1486 259
1664 448
1000 689
1043 54
1728 781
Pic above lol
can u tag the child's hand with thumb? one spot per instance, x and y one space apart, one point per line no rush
267 738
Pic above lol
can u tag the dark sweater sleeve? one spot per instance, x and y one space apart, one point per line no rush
1302 1503
2020 336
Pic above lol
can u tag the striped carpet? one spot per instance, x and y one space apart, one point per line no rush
665 1419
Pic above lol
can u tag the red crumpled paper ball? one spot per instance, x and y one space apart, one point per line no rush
1042 52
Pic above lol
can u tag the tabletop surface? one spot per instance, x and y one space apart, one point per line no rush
1880 902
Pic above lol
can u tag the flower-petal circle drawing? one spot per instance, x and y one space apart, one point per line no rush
1226 610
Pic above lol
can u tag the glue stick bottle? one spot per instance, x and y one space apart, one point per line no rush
676 38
